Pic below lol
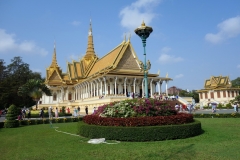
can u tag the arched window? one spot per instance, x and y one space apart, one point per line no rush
69 96
54 96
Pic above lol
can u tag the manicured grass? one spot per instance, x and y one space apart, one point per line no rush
220 140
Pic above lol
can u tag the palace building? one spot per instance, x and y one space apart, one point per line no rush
93 81
217 90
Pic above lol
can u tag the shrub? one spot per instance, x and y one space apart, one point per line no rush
217 115
229 105
136 108
180 118
144 133
220 106
1 124
11 117
63 109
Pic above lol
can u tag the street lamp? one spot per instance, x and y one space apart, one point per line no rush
143 32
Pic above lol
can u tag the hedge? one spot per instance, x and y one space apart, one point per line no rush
144 133
180 118
216 115
1 124
46 115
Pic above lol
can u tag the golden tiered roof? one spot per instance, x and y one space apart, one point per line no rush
122 60
217 82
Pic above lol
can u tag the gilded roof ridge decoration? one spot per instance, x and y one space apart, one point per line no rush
106 60
217 82
120 55
112 50
54 59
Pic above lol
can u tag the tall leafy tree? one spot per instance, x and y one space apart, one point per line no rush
13 76
236 82
34 88
193 93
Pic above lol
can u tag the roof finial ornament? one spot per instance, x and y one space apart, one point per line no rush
167 75
129 37
143 24
124 36
90 28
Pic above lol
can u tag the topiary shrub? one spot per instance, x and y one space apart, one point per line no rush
11 117
180 118
229 105
144 133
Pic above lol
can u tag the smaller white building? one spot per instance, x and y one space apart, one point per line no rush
218 90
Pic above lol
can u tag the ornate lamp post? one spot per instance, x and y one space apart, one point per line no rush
143 32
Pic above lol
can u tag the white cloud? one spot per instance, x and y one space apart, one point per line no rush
76 23
37 70
74 57
179 76
165 57
227 29
133 15
238 66
8 44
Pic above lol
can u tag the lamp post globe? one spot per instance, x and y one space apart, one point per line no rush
143 32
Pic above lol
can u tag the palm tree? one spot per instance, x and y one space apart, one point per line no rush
34 88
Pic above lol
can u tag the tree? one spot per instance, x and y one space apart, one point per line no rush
12 77
11 117
34 88
236 82
193 94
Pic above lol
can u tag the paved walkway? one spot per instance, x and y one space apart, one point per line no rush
2 118
205 111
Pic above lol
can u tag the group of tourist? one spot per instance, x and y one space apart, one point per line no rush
181 107
235 107
165 97
50 112
23 113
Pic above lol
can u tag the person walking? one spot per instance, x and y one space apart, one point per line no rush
68 110
235 107
86 110
50 112
79 110
29 114
56 112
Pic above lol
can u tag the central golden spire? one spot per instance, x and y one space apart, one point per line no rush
54 59
90 53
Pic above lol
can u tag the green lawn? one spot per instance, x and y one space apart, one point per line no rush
220 140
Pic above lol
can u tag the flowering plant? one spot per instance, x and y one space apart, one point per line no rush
135 108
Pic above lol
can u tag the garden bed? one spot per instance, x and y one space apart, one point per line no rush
144 133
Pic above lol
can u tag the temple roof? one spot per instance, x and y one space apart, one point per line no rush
217 82
122 60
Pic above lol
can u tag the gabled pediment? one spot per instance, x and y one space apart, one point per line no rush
217 82
55 76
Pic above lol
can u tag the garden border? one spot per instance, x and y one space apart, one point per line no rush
145 133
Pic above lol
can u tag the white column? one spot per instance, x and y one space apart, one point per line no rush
100 90
125 81
166 88
115 86
143 88
94 89
134 85
105 86
159 87
151 88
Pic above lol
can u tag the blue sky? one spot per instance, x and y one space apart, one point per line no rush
191 40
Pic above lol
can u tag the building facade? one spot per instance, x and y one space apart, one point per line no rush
217 90
93 81
174 90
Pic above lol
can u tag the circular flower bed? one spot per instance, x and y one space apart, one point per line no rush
139 118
